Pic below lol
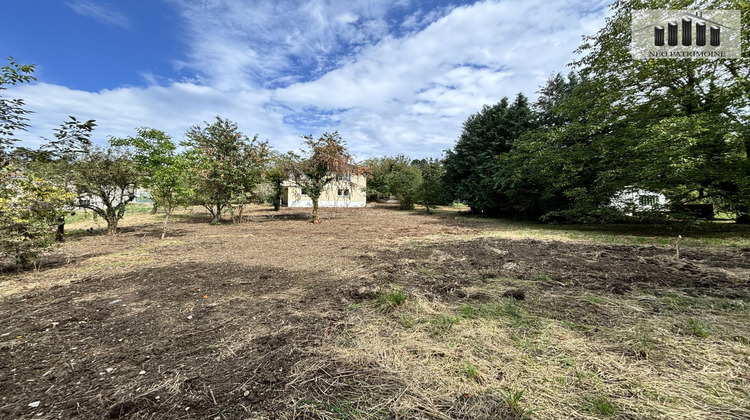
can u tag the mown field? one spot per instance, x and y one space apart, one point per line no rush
379 313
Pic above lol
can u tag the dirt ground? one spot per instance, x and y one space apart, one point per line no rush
242 320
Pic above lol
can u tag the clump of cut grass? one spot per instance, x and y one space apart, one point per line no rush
390 298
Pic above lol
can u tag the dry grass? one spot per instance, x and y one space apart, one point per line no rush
378 313
641 366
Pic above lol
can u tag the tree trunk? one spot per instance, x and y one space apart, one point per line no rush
217 215
60 234
316 218
111 227
242 208
743 215
164 228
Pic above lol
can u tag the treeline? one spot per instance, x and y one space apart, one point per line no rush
216 166
679 127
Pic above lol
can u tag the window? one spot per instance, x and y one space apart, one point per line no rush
343 192
648 200
303 192
344 177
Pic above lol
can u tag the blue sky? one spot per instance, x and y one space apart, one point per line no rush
391 76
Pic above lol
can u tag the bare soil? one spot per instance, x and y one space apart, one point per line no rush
236 320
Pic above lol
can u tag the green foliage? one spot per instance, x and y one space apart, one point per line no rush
512 399
165 173
226 165
471 166
675 126
441 324
603 406
697 328
12 112
29 204
280 170
404 182
390 298
106 180
431 191
380 168
470 371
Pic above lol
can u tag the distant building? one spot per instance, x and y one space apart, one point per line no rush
348 190
634 200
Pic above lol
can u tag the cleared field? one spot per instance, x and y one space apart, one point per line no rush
378 313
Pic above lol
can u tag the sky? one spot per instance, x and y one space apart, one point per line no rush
392 77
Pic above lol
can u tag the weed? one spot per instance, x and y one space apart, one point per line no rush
603 407
407 321
442 324
470 371
354 307
468 311
641 341
697 328
391 298
512 399
428 272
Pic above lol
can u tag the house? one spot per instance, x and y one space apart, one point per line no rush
347 190
634 200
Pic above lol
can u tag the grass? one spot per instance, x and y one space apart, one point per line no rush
470 371
512 399
390 298
602 406
601 353
697 328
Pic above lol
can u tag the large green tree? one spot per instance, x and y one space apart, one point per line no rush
227 165
677 125
470 166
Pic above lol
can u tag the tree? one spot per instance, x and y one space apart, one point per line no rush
379 169
280 170
56 159
105 180
431 190
28 205
165 172
471 165
678 125
12 112
325 159
404 182
227 165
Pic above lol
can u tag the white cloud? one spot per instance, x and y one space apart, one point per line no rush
99 12
283 69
